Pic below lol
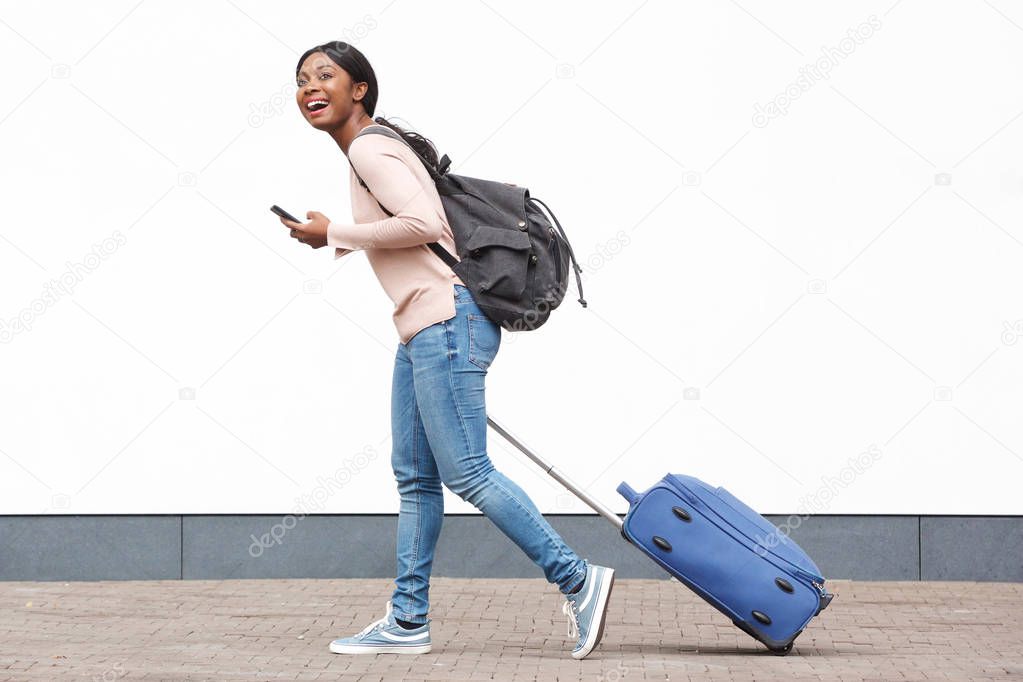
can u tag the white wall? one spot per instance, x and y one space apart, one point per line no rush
770 293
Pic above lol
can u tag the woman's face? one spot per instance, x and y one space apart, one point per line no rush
325 92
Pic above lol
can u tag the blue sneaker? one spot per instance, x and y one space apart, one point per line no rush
385 636
587 607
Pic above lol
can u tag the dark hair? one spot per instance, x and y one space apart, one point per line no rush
349 58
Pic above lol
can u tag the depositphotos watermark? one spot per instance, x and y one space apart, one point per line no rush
812 73
540 310
1012 332
55 289
114 672
614 674
819 500
313 501
603 253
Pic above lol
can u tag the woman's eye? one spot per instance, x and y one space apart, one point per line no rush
301 82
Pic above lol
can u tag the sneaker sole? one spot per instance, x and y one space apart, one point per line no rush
602 600
369 649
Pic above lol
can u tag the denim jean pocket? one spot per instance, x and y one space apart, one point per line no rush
484 340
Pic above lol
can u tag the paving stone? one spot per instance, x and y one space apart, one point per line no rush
494 629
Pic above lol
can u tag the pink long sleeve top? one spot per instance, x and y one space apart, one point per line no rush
417 281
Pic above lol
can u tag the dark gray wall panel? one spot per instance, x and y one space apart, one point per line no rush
972 548
858 547
284 546
359 546
90 547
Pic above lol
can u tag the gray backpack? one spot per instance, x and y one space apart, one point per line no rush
511 258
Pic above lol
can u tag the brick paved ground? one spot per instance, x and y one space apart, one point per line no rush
493 629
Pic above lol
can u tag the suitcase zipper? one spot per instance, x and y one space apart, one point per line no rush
759 547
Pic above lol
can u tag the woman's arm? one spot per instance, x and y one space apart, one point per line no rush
395 186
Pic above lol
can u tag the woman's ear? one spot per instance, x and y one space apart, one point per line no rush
359 91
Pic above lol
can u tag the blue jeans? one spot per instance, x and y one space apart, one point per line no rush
439 434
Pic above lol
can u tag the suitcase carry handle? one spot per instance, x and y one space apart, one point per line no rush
626 491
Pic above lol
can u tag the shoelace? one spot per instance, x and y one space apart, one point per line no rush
568 608
375 624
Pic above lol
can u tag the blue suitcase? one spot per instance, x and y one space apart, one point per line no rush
728 554
717 546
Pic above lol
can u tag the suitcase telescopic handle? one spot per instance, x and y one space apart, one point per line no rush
558 476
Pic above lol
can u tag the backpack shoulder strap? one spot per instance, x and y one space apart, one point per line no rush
441 252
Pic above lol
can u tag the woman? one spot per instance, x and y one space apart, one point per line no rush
447 344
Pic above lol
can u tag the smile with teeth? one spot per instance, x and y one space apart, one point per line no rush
316 104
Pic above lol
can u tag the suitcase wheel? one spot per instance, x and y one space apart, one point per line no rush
785 585
782 651
662 543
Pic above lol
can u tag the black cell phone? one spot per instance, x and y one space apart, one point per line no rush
284 214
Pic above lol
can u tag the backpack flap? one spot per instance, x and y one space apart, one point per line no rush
497 260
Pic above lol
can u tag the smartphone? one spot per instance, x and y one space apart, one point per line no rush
284 214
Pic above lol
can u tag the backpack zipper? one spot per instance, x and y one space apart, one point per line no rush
557 255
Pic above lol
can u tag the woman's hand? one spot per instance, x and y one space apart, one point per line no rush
313 233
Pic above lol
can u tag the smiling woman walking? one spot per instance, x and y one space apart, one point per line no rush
447 344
